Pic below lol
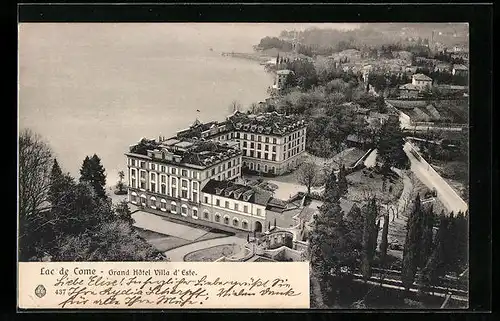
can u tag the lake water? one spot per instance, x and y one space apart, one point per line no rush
100 88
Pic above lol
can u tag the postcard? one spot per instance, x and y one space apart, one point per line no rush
243 165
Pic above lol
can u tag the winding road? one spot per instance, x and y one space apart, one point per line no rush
427 175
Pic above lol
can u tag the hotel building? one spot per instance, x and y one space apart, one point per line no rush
270 142
168 175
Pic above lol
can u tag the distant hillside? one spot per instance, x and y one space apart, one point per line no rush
372 35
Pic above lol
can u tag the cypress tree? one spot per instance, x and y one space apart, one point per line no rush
412 245
55 177
93 172
370 233
384 243
355 222
342 181
427 235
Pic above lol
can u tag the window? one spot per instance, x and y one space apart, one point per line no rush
244 136
143 185
206 199
226 220
267 139
163 179
274 149
251 153
143 164
184 210
163 189
258 212
223 176
163 205
245 208
252 137
195 196
244 225
133 162
174 171
244 152
259 146
184 172
184 193
252 145
228 164
134 182
266 148
205 215
226 204
223 167
235 222
217 202
152 202
259 138
217 217
174 182
244 144
274 140
133 198
143 200
153 167
213 171
143 175
258 154
163 169
174 192
184 183
266 155
173 207
235 206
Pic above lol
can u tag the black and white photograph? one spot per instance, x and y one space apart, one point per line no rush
344 145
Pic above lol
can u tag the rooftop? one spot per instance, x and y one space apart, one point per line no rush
185 151
408 87
422 77
460 67
237 191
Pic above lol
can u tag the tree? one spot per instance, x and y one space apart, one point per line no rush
384 243
123 212
35 160
412 245
234 106
435 266
355 222
93 172
342 181
390 145
370 231
308 175
332 254
427 236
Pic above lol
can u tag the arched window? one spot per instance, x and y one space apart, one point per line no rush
244 224
206 214
143 200
217 217
195 213
236 222
133 198
173 207
152 202
163 205
226 219
184 210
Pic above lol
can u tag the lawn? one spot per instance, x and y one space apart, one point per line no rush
212 253
368 182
